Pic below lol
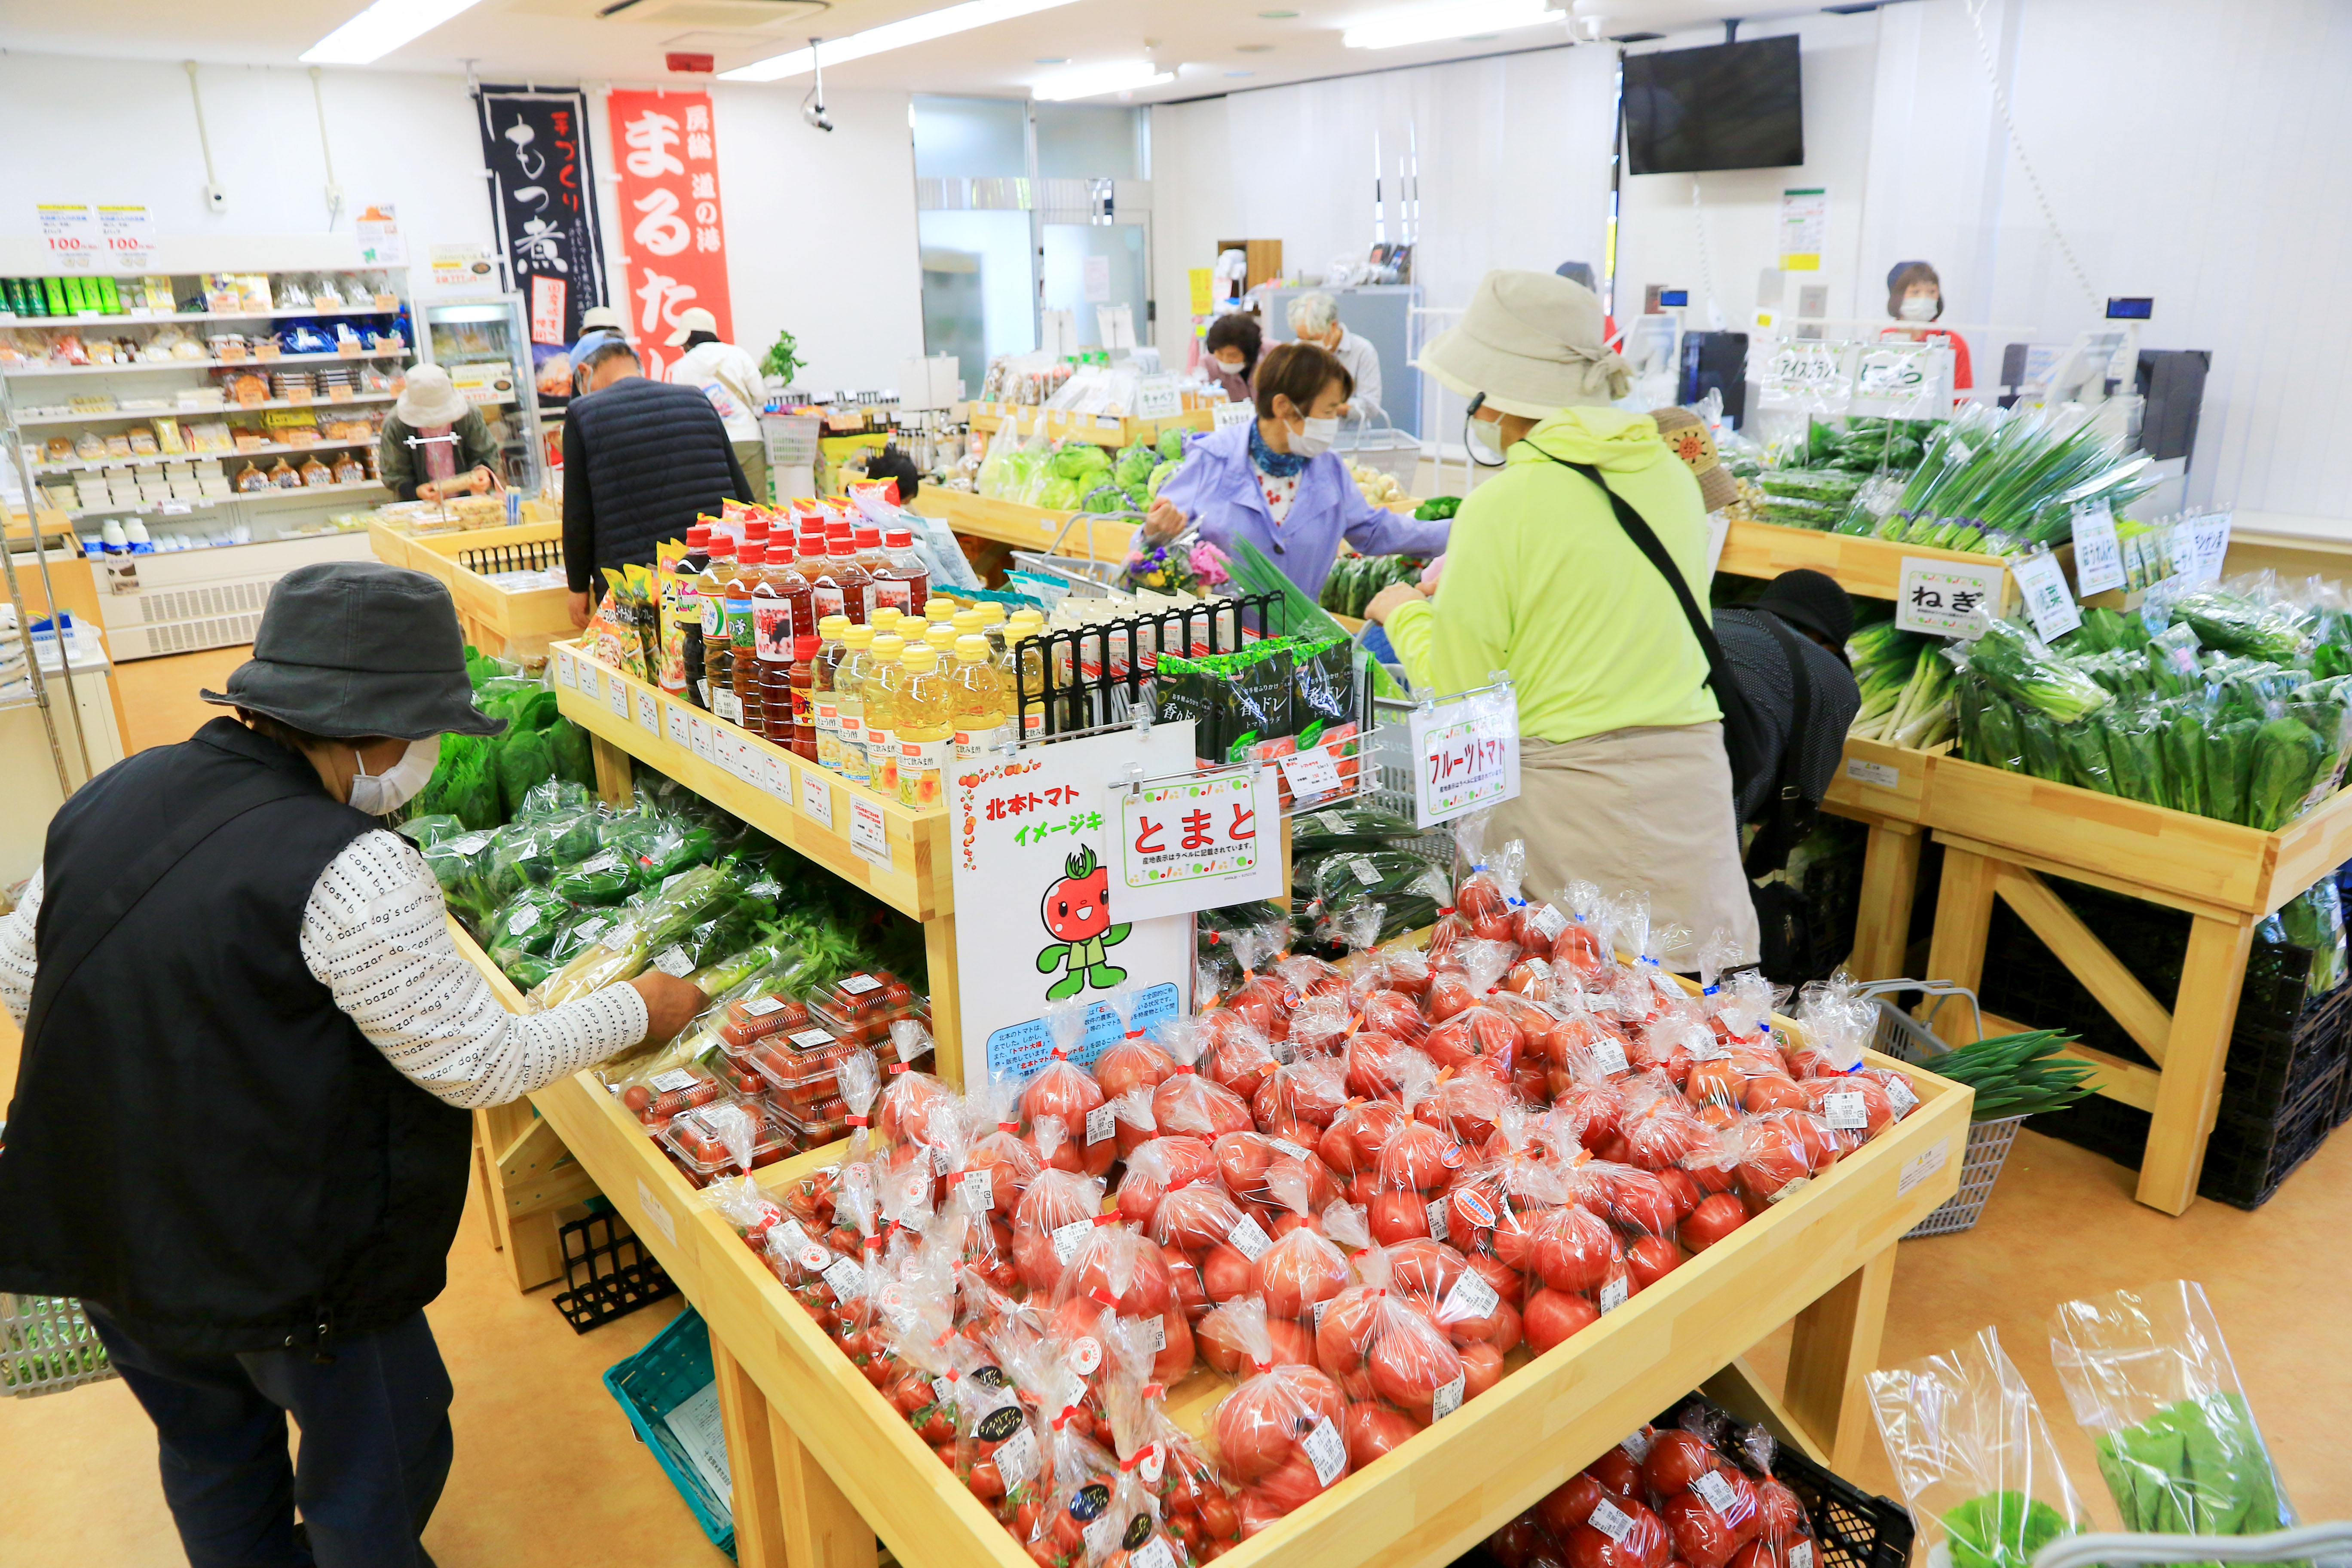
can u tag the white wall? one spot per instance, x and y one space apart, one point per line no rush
820 229
2189 151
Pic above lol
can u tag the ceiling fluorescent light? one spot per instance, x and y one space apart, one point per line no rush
380 29
1435 24
890 36
1093 81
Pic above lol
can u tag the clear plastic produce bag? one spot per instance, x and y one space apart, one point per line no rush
1973 1457
2150 1377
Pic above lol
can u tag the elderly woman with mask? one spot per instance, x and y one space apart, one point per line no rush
435 443
1623 780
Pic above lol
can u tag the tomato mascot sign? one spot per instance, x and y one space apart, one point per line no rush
1037 918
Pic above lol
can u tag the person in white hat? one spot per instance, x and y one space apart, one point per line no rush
435 443
730 377
1624 782
602 317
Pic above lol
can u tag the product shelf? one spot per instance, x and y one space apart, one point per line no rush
95 464
191 410
495 619
1026 527
2003 833
387 305
27 372
822 1463
1104 429
1872 568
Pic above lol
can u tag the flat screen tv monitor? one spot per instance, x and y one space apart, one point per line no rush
1731 106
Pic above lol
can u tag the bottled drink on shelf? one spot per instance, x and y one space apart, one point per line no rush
831 651
1024 654
682 606
926 728
976 703
900 578
780 616
856 582
710 593
885 677
849 699
742 644
866 540
802 704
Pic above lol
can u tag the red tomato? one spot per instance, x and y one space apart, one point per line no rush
1396 1217
1570 1504
1714 1220
1676 1459
1576 1251
1651 1258
1372 1430
1482 1368
1551 1316
1617 1470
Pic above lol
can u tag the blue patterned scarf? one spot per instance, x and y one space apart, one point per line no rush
1280 464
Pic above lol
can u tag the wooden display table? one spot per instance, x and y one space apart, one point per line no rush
1887 789
494 618
1869 567
1103 429
1027 527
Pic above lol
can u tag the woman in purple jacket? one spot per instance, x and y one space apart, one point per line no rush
1274 482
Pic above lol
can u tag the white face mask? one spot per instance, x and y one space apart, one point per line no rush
1316 439
1231 366
1921 306
1481 436
377 793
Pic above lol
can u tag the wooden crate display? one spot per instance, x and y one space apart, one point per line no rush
1869 567
1103 429
495 619
1027 527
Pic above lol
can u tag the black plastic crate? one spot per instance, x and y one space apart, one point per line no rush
2245 1161
607 1274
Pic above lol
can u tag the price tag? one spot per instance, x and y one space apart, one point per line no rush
1614 1292
1471 1296
1609 1056
1611 1521
1846 1112
816 798
672 1081
1549 923
1900 1093
1877 773
848 1281
2209 547
698 736
647 718
1226 415
859 984
1946 598
522 920
1249 1239
589 685
1069 1238
677 714
1101 1123
1154 1553
1637 1447
1436 1212
1446 1400
1924 1164
761 1006
1466 755
1324 1448
1016 1459
618 694
1800 1554
779 781
1311 774
810 1039
1152 1330
979 1189
566 672
1288 1147
676 961
2042 585
867 832
1716 1492
2098 559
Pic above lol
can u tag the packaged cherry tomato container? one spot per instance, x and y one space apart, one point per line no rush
727 1137
653 1098
803 1070
861 1006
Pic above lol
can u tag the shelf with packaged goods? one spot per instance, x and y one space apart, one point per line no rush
818 1453
1872 568
95 464
1103 429
157 318
196 411
23 371
274 494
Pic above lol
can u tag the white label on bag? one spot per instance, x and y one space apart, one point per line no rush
1363 870
941 1163
2042 585
469 845
1436 1211
978 1188
1152 1330
1614 1292
848 1281
761 1006
2098 566
671 1083
1326 1451
1710 1050
1611 1521
619 695
566 672
1549 923
1800 1554
1446 1400
1311 774
1085 1354
1249 1238
1288 1147
1154 1553
522 920
810 1039
816 798
1016 1457
859 985
586 932
1101 1123
1471 1296
1637 1446
1333 822
1069 1238
1875 773
1899 1092
1320 1308
1716 1492
1610 1057
1846 1112
675 962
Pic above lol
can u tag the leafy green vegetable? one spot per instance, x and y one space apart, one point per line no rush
2000 1530
2195 1468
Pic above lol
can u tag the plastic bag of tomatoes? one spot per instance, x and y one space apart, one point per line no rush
1189 1104
1278 1435
1193 1503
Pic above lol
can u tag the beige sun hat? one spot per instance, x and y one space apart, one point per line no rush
427 397
1531 343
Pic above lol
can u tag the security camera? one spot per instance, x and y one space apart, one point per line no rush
816 115
812 106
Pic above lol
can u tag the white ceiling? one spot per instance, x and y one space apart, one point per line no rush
1215 46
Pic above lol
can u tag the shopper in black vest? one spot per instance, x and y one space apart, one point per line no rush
641 460
240 1130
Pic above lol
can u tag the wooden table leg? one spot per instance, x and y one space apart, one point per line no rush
947 1012
821 1529
759 1501
1963 918
2204 1011
612 771
1834 1348
1890 883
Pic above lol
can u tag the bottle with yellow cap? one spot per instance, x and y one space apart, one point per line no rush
1022 653
885 676
993 622
942 638
977 706
832 648
886 618
849 701
926 730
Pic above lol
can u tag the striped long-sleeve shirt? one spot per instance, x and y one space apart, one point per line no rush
374 933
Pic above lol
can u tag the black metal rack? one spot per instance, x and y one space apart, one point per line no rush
1122 655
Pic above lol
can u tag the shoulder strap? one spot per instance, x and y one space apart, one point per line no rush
1739 741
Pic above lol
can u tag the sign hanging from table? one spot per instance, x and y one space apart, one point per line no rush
1946 598
1038 919
674 235
1465 754
543 199
1196 842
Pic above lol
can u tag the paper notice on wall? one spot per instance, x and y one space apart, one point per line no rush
466 266
1804 225
68 233
379 236
1097 279
1117 325
126 233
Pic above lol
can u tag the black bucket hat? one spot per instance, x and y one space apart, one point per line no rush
351 649
1812 601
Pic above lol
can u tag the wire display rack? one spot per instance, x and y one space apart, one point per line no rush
1905 1038
47 1345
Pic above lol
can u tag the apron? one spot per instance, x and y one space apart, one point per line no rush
437 446
1647 810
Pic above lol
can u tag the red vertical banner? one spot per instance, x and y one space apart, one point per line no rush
673 238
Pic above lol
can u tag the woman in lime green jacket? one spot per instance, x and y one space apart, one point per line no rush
1624 779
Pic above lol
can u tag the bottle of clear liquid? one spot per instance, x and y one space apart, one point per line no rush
1025 653
926 728
742 644
801 702
992 621
849 701
887 618
943 638
977 704
901 579
884 678
825 711
710 593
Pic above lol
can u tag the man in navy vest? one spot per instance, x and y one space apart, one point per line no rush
240 1131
